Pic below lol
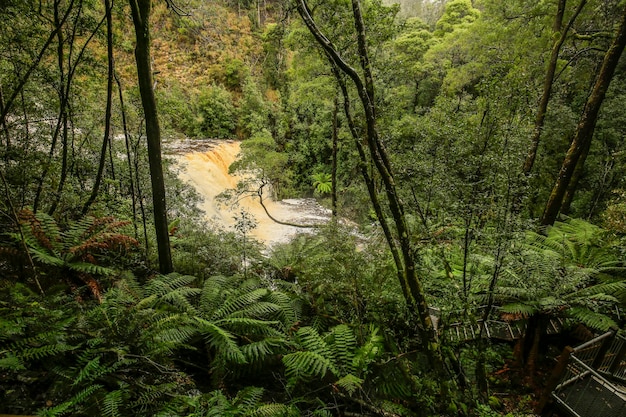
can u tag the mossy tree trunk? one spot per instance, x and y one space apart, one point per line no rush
586 126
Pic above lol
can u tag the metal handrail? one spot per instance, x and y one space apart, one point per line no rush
593 341
578 370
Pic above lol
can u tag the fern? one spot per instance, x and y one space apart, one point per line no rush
350 383
239 303
344 344
76 254
221 340
70 404
371 350
111 404
306 365
290 311
592 319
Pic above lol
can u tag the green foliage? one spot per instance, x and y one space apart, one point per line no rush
322 183
571 271
260 156
215 113
73 255
456 13
253 109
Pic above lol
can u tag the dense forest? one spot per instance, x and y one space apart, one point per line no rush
471 153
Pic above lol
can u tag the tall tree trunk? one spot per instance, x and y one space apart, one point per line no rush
369 181
586 124
128 155
365 87
333 192
549 80
3 124
141 15
576 176
58 23
107 112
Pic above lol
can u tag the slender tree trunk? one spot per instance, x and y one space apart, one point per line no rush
549 80
140 195
128 155
58 22
365 87
141 15
333 193
586 124
4 126
369 182
576 176
64 92
107 112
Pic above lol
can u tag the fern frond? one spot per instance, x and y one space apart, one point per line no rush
67 406
175 337
349 383
221 340
89 268
94 370
45 258
41 352
343 343
369 352
592 319
163 284
239 303
77 231
305 365
273 410
111 404
248 398
290 308
180 297
523 309
11 363
258 310
311 340
608 288
244 325
261 349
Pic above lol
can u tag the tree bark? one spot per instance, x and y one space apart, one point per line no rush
141 15
107 112
586 124
573 184
549 80
333 192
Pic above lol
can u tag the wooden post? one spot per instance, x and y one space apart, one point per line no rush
557 373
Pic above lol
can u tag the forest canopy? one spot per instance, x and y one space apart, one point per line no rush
471 154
